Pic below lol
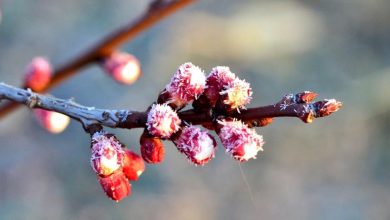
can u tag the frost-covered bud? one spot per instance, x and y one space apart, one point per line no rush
133 165
53 122
186 85
116 186
240 141
219 78
236 95
199 146
38 74
152 148
162 121
123 67
107 153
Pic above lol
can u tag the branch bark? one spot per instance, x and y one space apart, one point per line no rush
157 10
91 116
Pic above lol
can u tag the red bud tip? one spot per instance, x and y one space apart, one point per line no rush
305 97
123 67
152 149
116 186
186 85
133 165
162 121
38 74
107 154
199 146
53 122
219 78
237 94
240 141
326 107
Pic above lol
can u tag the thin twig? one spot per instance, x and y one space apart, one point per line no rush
157 11
90 116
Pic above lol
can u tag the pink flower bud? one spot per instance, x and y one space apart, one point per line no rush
152 148
240 141
38 74
199 146
219 78
236 95
133 165
53 122
107 154
162 121
116 186
186 85
123 67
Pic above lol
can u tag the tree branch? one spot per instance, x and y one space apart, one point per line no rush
91 116
157 10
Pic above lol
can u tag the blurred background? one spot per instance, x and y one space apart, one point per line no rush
335 168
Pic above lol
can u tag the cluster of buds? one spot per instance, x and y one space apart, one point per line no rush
220 96
122 67
114 165
221 92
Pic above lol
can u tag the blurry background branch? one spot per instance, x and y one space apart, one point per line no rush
157 11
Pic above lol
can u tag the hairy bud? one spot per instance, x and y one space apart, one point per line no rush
162 121
116 186
236 95
38 74
186 85
240 141
123 67
199 146
133 165
219 78
152 148
53 122
107 153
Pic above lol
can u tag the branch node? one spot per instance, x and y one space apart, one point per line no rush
32 99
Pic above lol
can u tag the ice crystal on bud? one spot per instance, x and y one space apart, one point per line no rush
123 67
53 122
197 145
107 154
162 121
116 186
38 74
240 141
187 84
219 77
237 94
133 165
